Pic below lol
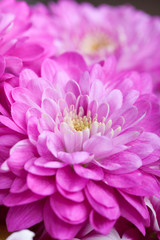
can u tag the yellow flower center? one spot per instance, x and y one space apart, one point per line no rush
96 43
81 123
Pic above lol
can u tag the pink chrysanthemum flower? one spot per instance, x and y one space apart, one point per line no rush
17 46
98 32
89 147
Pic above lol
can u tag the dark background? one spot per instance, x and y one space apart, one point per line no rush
150 6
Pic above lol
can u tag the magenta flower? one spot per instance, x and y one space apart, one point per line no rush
98 32
86 145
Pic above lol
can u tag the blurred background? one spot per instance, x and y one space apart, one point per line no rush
150 6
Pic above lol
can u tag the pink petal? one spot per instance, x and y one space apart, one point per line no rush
84 83
54 144
19 185
73 63
26 197
18 111
124 180
25 76
10 124
25 216
42 185
137 203
48 70
2 66
75 157
115 100
121 163
70 99
100 223
40 171
30 51
74 196
50 107
91 172
6 180
20 154
58 228
103 146
102 111
13 64
32 129
69 180
102 199
72 87
131 214
69 211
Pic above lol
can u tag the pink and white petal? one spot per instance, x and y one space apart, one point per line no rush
32 130
100 223
70 99
69 211
121 163
40 171
69 180
73 63
50 107
103 111
25 216
75 157
73 87
48 70
56 227
54 144
93 106
91 172
96 90
20 153
23 95
49 163
127 180
115 100
84 83
69 138
103 146
6 180
42 185
82 102
25 76
42 144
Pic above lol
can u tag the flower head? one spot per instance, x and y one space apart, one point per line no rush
98 32
87 143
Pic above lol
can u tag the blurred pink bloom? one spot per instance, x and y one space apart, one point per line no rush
79 144
98 32
17 47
